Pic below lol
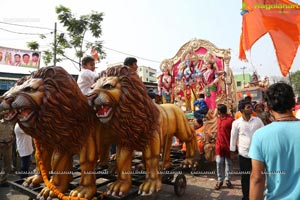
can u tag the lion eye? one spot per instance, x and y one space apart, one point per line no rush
108 86
29 89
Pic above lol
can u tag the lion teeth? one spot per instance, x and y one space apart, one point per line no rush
105 114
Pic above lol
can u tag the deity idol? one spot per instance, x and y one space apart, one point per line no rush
188 73
211 78
165 86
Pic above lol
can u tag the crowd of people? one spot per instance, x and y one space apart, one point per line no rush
267 151
265 137
266 148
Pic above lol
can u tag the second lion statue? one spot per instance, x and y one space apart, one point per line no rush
129 118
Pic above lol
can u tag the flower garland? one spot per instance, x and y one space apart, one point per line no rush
46 180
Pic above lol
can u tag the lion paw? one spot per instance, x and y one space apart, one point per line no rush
33 181
84 191
150 186
119 187
46 193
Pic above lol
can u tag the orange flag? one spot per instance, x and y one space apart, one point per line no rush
95 54
279 18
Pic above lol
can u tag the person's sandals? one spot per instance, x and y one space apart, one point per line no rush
218 185
229 185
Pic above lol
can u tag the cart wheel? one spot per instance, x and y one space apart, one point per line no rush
180 185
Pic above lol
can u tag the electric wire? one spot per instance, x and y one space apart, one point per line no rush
45 28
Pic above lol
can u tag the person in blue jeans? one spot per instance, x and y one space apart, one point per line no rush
275 149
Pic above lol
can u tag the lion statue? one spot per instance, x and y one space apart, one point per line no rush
51 108
130 119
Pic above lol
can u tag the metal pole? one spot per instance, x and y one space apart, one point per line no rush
243 68
55 45
290 79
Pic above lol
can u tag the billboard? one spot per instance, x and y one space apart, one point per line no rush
19 58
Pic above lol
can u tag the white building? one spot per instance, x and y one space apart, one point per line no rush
147 74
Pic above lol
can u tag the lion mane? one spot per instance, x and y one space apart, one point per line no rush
62 112
136 117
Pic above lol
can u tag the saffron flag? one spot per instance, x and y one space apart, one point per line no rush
279 18
95 54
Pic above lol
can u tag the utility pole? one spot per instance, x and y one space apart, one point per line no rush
290 79
55 45
243 68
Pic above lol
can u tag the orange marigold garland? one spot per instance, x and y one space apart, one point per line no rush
46 180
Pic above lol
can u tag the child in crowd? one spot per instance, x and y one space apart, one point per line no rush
87 75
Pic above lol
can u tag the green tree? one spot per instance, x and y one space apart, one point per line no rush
76 30
33 45
295 81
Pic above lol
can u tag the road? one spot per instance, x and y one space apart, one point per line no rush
198 188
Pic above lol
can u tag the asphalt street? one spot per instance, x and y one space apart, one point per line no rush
199 186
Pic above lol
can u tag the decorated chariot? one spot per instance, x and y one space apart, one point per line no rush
199 67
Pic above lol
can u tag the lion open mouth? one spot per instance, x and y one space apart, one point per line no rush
10 115
24 114
104 111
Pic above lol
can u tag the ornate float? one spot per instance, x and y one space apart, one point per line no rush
199 67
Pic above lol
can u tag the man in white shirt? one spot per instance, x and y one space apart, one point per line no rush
87 75
242 131
298 114
25 149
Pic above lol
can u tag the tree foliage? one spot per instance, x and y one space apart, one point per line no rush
33 45
295 81
77 29
74 38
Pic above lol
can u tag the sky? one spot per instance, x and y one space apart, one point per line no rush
151 30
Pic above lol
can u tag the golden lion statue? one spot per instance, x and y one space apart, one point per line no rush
130 119
51 108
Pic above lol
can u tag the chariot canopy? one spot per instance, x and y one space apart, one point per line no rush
199 52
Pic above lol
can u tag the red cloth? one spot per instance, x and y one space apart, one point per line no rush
223 137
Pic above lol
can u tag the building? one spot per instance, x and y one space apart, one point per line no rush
147 74
241 80
8 80
10 74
